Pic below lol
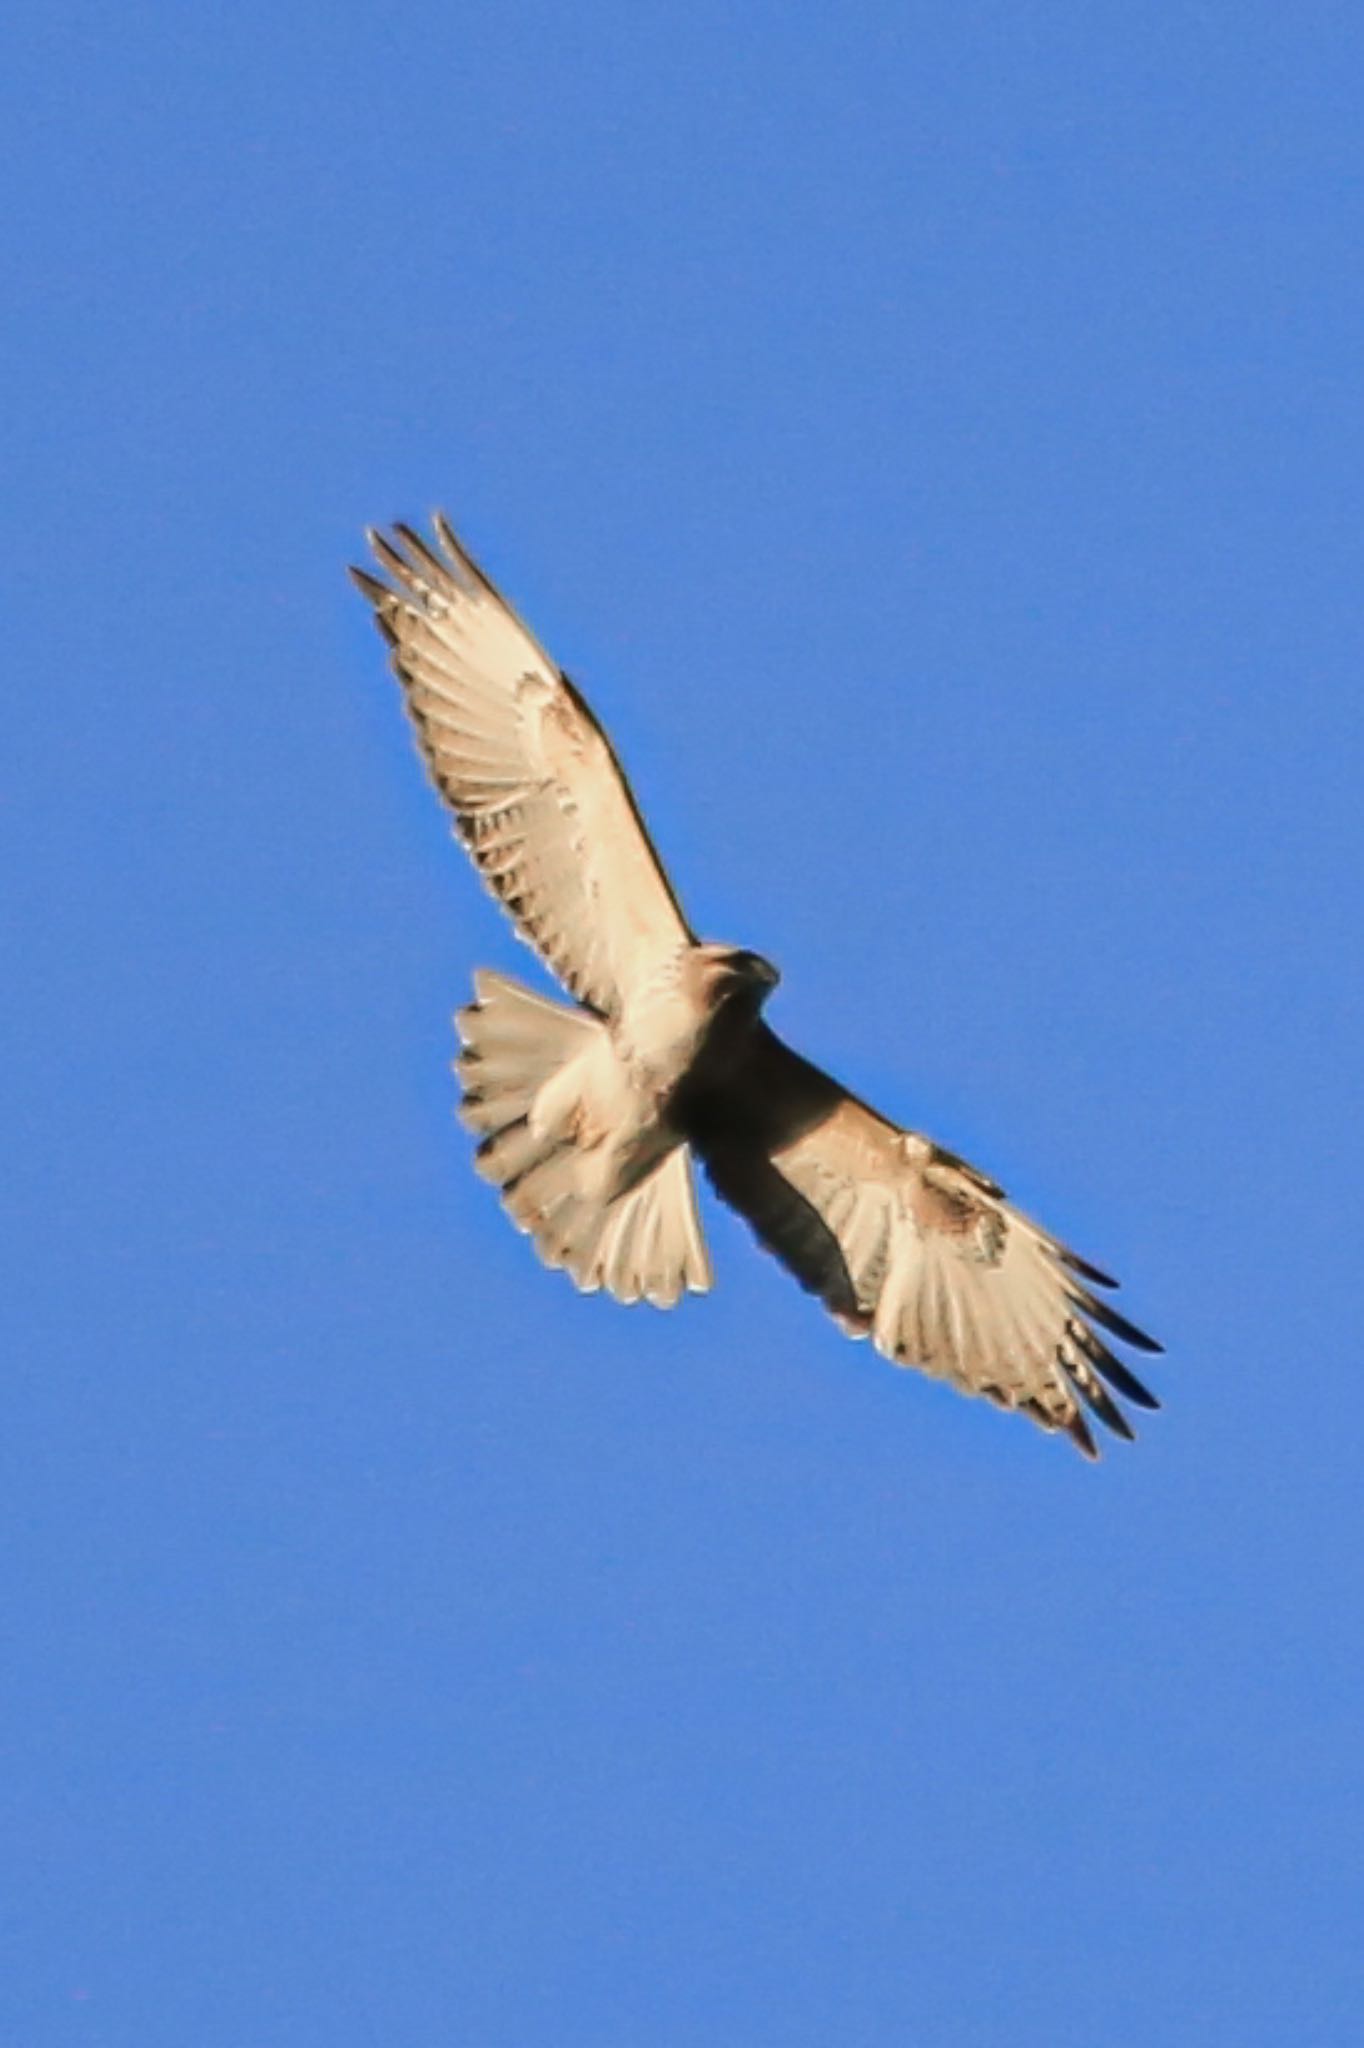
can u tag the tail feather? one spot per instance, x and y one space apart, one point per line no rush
644 1246
647 1246
512 1041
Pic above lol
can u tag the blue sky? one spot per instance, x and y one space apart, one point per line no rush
932 436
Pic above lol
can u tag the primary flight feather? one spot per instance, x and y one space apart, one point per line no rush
588 1116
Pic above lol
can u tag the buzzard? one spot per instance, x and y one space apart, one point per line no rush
588 1115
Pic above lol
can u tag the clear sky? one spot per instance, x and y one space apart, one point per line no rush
933 437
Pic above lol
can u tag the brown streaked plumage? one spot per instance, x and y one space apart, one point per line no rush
588 1116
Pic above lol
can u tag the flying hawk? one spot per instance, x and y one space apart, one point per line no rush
588 1115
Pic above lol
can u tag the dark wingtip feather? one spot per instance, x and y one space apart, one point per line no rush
389 557
1094 1274
1100 1402
1118 1326
1101 1358
1126 1383
367 585
456 549
419 548
1077 1429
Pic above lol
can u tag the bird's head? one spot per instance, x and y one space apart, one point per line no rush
734 976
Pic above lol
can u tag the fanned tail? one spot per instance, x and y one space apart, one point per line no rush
646 1245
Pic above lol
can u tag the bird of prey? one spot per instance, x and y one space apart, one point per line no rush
588 1115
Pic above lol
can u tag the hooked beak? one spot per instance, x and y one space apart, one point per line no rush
751 967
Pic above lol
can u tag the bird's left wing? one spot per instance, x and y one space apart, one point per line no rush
905 1243
538 796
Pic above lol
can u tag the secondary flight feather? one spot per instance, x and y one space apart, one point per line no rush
589 1116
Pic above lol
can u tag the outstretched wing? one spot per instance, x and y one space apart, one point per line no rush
907 1244
539 797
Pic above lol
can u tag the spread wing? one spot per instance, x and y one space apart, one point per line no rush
907 1244
538 796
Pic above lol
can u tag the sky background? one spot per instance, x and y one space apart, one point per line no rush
933 437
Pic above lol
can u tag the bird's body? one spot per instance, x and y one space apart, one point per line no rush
588 1116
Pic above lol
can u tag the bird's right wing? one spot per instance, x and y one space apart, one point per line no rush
537 794
907 1244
